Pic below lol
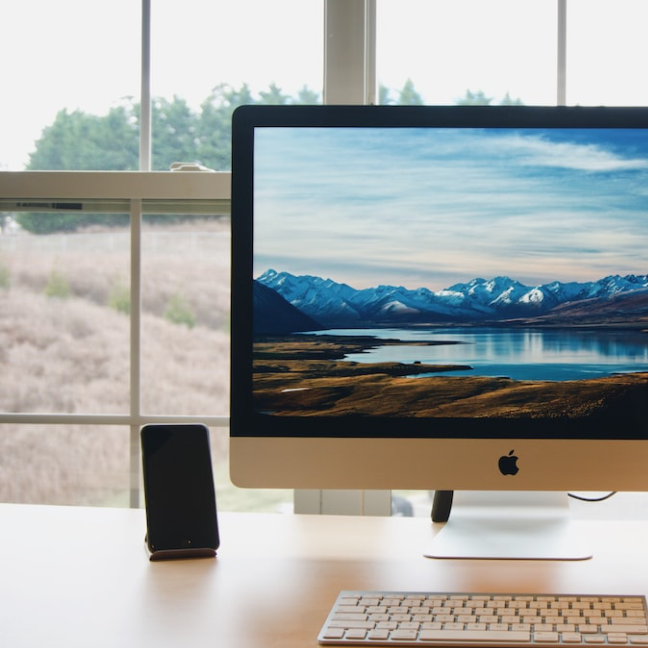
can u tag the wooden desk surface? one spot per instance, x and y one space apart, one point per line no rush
79 577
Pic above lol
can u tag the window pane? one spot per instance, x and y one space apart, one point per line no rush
70 55
64 327
447 48
215 54
65 465
607 52
185 315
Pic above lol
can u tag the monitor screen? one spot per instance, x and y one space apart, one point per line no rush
440 297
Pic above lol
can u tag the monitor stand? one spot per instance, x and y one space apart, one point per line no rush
505 525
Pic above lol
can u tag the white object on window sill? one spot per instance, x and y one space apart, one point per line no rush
189 166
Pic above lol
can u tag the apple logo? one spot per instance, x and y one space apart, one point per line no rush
508 464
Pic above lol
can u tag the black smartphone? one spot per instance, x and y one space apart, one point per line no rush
179 491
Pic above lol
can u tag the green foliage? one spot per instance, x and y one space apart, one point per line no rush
384 97
178 312
175 132
274 96
307 97
57 286
509 101
215 125
475 99
80 141
409 96
119 298
479 98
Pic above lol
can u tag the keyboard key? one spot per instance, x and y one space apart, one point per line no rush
572 637
333 633
546 637
486 636
404 635
351 625
624 628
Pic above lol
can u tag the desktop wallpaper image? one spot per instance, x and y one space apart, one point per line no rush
451 272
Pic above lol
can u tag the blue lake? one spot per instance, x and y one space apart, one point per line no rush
520 354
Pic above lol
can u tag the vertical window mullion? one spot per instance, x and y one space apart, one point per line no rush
561 96
145 90
349 51
135 346
371 74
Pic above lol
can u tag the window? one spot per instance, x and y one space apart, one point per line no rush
78 292
76 90
606 52
445 52
215 43
54 61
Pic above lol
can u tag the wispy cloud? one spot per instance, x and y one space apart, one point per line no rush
537 151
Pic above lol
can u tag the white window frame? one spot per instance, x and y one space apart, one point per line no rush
349 77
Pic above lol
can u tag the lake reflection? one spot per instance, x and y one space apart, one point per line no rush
520 354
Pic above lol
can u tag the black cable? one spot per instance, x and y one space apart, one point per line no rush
592 499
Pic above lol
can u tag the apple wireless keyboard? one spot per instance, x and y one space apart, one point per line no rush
478 620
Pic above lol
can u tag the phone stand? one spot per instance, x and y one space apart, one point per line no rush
178 554
179 493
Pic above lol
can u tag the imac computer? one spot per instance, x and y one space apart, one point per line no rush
440 298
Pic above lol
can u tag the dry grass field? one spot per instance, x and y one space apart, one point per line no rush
64 348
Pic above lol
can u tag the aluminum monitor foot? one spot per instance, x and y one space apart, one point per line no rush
509 526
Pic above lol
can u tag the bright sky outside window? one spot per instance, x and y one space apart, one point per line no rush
607 52
61 61
499 48
69 54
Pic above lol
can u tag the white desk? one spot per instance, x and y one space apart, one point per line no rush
79 577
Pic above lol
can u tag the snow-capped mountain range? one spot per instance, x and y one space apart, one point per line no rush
335 304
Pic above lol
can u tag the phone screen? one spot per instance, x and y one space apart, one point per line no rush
178 488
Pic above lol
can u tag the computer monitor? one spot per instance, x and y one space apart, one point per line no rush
448 298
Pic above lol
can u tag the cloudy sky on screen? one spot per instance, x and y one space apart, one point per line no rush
431 207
